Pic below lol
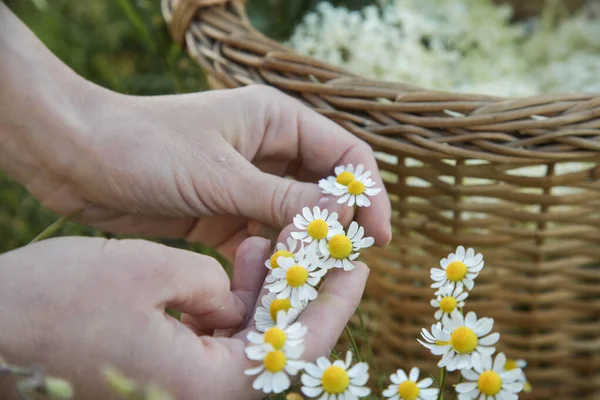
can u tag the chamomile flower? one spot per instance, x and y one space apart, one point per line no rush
458 339
343 248
266 314
489 381
344 174
296 279
460 266
316 227
293 249
405 387
521 364
354 186
279 349
449 300
335 381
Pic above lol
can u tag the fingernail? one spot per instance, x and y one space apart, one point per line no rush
239 305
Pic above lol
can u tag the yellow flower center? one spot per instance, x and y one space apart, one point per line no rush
489 383
510 364
275 361
340 246
296 276
448 304
317 229
463 340
356 188
456 271
276 337
280 253
408 390
335 380
345 178
527 387
277 305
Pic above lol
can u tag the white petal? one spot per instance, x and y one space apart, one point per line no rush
312 391
314 370
489 339
471 320
358 370
359 391
424 383
254 371
460 253
323 363
414 374
466 387
281 382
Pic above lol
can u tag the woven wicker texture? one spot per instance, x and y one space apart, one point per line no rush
517 179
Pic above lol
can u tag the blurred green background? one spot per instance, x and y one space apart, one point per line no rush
122 45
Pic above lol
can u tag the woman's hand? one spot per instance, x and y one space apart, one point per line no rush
75 305
202 166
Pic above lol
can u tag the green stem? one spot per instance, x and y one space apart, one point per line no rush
52 229
354 346
442 378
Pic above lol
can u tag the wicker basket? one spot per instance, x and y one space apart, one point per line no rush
452 181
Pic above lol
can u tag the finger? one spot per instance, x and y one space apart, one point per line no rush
327 315
182 280
322 153
249 271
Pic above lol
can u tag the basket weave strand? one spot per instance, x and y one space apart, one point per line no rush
518 179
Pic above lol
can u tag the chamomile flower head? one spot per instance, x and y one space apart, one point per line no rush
335 381
461 266
293 249
279 350
450 299
408 387
344 174
521 364
316 227
266 315
343 248
488 380
458 339
296 280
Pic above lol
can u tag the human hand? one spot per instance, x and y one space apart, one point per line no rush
74 305
204 166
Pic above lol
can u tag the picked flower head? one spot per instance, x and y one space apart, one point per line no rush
335 381
343 248
460 267
266 315
408 387
316 227
489 381
449 300
521 364
458 339
296 280
292 249
279 349
354 186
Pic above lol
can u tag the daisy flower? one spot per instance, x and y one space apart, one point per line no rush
281 250
335 381
519 364
316 227
265 316
344 174
352 185
460 266
294 249
449 300
296 279
279 349
405 387
343 248
488 381
458 339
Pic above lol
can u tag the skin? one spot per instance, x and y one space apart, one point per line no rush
207 167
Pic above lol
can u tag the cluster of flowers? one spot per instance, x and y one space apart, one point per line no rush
320 244
465 342
296 269
460 45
